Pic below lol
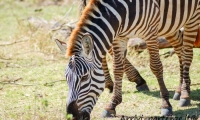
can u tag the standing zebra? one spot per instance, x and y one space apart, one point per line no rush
109 22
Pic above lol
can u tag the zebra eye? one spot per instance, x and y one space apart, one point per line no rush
84 78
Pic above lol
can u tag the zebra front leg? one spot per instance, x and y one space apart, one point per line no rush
119 48
157 69
134 76
108 80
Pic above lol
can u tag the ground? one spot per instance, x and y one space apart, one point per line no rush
32 81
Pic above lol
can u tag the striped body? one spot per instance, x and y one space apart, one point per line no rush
109 22
131 72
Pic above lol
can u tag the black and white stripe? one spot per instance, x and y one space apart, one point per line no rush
113 22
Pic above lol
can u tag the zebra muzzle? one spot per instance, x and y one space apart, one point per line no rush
72 108
84 116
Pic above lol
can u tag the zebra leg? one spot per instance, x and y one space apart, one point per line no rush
134 76
190 33
176 40
119 51
157 69
108 80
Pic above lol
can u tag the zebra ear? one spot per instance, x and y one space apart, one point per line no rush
62 45
87 43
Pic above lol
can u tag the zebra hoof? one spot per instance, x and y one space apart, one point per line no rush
109 113
177 96
166 111
184 102
143 87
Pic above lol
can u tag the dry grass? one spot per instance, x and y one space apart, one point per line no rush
32 82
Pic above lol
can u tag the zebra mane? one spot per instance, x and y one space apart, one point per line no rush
74 35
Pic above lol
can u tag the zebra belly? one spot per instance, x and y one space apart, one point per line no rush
174 14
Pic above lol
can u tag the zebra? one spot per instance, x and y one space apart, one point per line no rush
106 23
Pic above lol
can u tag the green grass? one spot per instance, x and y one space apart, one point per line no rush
14 12
32 81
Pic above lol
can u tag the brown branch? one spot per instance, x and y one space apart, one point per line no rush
50 83
28 52
13 83
11 43
195 84
10 80
168 54
5 59
17 79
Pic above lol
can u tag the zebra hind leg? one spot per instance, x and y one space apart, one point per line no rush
134 76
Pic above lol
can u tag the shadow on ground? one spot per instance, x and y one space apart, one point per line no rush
194 94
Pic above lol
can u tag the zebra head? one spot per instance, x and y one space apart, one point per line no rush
85 81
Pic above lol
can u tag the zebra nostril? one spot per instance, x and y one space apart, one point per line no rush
72 108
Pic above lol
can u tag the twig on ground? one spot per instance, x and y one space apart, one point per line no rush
11 43
195 84
12 83
10 80
28 52
5 59
17 79
168 54
50 83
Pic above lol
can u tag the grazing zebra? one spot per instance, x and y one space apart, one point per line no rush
104 23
